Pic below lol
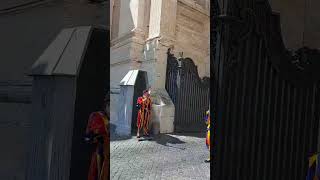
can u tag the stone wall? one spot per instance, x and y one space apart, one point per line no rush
142 32
192 35
187 31
142 25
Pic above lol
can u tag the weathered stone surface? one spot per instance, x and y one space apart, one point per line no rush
114 97
163 112
181 24
125 111
144 32
165 157
192 36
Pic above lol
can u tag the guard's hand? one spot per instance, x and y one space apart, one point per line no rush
88 137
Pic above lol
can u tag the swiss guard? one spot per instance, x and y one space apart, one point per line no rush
207 119
144 104
314 167
97 133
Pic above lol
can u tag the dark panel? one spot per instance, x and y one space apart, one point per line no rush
92 86
266 98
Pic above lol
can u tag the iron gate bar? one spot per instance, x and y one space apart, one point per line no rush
190 96
267 100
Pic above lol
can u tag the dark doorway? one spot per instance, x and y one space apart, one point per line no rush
92 86
140 86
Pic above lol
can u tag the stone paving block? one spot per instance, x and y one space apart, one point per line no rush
166 157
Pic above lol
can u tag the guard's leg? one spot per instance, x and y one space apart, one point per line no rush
139 123
146 124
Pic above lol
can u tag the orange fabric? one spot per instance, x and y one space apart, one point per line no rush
98 124
93 168
140 112
208 130
144 113
147 118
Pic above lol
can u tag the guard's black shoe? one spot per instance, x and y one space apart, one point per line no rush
207 160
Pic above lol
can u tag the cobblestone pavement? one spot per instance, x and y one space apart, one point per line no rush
165 157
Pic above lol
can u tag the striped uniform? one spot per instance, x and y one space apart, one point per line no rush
98 128
208 129
144 113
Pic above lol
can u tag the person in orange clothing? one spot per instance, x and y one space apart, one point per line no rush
144 104
97 132
208 133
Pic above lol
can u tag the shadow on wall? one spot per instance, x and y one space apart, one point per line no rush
113 135
16 104
33 27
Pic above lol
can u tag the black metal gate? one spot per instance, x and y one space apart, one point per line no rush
189 93
267 99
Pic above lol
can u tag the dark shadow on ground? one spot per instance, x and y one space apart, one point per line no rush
113 134
165 139
168 140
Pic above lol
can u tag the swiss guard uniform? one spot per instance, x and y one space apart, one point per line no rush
208 132
97 133
314 167
144 104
